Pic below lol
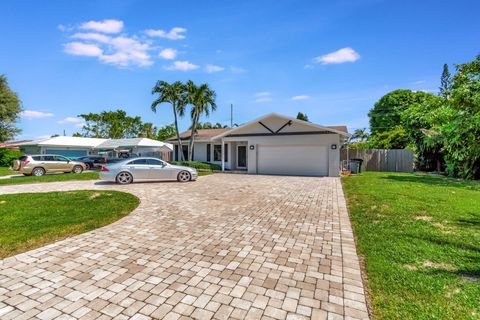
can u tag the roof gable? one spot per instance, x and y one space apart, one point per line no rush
275 123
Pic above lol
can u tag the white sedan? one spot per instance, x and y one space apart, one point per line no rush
145 169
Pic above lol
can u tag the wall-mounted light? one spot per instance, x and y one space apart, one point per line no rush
333 146
252 147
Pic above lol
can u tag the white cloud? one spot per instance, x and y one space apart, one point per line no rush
83 49
43 136
301 97
71 120
31 114
419 82
211 68
174 34
168 53
182 66
340 56
92 36
80 125
105 26
308 67
263 99
262 94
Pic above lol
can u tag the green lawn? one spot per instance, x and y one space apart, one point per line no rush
420 237
50 178
4 171
30 220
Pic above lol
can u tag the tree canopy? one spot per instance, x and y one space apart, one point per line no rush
302 116
114 125
10 108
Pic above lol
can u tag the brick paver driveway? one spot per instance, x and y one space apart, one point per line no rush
224 247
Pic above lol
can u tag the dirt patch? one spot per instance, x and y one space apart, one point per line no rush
95 195
423 218
438 265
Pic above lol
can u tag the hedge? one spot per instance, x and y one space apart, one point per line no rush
197 165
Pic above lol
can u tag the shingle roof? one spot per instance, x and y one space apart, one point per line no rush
339 128
202 134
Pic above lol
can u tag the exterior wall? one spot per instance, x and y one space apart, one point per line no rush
200 153
316 139
31 149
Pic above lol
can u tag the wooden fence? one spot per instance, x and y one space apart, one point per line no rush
388 160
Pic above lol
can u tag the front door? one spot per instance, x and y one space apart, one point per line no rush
242 157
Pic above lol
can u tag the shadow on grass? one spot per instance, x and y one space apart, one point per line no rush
435 181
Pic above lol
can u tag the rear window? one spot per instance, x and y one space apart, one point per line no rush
36 158
23 158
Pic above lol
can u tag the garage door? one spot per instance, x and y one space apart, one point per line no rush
299 160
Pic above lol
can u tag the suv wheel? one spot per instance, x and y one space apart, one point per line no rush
38 172
77 169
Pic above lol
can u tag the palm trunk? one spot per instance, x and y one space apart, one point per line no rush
179 141
192 136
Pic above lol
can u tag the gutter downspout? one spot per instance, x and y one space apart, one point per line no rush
223 156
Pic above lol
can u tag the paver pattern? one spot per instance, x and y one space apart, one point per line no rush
223 247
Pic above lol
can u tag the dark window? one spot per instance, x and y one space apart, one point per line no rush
176 152
185 152
138 161
226 153
36 158
48 158
209 156
217 152
154 162
60 158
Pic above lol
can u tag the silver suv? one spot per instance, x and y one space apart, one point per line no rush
38 165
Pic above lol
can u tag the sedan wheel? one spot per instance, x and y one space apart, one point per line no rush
124 178
38 172
77 169
184 176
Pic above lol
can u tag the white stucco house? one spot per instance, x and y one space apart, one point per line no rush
272 144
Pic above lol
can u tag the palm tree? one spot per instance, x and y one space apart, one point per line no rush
360 135
175 94
202 99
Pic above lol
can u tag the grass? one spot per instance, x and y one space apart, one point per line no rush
204 173
5 171
420 238
50 178
30 220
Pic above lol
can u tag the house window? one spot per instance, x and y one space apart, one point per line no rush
185 152
217 152
176 152
226 152
209 156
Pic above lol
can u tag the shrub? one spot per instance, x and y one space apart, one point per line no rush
7 156
198 165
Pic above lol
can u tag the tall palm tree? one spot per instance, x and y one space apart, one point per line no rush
175 94
202 99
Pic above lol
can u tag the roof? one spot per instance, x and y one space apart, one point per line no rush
202 134
132 142
342 130
96 143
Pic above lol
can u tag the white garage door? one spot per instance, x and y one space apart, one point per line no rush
300 160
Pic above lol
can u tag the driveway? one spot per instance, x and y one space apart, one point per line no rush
223 247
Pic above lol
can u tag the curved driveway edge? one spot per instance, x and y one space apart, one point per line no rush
223 247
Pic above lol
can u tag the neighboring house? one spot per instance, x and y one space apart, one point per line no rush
272 144
74 147
12 145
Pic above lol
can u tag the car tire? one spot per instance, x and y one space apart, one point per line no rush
184 176
124 178
38 172
87 166
77 169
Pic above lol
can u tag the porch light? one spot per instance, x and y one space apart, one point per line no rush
334 146
252 147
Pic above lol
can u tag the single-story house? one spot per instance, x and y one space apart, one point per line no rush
74 147
272 144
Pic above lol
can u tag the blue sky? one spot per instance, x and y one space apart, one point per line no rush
329 59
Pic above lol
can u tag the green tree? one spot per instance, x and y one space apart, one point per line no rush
446 83
111 125
9 111
202 100
392 139
148 130
302 116
166 132
462 132
176 95
360 135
